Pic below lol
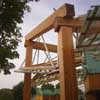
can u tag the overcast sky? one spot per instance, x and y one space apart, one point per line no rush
39 11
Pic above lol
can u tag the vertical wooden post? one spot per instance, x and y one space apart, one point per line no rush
68 81
27 76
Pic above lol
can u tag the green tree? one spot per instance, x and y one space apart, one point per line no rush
11 15
18 91
6 94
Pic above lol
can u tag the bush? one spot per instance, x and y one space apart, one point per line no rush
6 94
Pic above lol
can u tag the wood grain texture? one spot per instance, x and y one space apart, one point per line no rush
47 24
27 76
40 46
66 64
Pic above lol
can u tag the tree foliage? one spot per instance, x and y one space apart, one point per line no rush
11 15
6 94
18 91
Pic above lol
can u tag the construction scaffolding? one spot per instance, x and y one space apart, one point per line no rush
84 29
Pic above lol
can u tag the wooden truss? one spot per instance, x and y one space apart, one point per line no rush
67 26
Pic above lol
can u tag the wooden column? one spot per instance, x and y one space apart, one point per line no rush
27 76
66 64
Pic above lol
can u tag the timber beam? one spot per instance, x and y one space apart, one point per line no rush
68 22
76 24
66 10
51 47
27 76
48 66
40 46
68 86
86 47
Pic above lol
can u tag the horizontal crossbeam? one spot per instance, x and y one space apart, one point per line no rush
40 46
47 24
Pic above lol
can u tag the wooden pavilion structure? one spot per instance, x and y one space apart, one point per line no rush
67 26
